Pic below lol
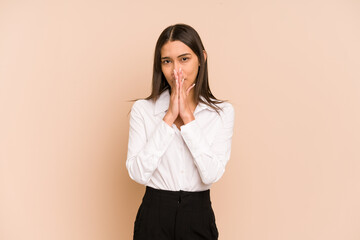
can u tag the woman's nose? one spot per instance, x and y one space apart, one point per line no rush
176 66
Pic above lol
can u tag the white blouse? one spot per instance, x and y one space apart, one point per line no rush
190 159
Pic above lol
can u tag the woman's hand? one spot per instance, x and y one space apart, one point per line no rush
184 100
179 101
173 111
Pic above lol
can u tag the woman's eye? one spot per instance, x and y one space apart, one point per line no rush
184 59
166 61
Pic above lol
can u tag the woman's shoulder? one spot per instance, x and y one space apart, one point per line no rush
143 103
227 111
225 107
153 104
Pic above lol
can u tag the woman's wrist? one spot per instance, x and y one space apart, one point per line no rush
169 119
188 118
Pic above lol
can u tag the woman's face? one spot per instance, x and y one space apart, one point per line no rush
176 55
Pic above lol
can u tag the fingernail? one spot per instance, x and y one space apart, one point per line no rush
179 69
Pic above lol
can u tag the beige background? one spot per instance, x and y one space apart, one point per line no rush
290 68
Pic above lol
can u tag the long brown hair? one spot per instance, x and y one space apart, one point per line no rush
189 36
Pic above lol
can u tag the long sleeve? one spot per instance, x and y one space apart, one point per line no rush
144 153
210 159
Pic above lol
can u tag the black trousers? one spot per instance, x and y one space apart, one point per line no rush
175 215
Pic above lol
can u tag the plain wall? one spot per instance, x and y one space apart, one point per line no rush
291 69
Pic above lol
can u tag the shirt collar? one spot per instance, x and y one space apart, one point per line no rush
162 104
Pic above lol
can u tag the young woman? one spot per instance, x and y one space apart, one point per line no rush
179 142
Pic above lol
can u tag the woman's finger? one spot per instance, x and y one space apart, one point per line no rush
179 90
181 79
176 82
188 90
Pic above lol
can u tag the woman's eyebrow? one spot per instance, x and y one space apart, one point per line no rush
184 54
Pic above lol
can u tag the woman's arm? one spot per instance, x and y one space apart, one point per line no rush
210 159
144 153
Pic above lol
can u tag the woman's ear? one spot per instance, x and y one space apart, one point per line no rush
205 55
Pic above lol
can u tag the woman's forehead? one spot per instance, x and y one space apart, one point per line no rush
175 49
